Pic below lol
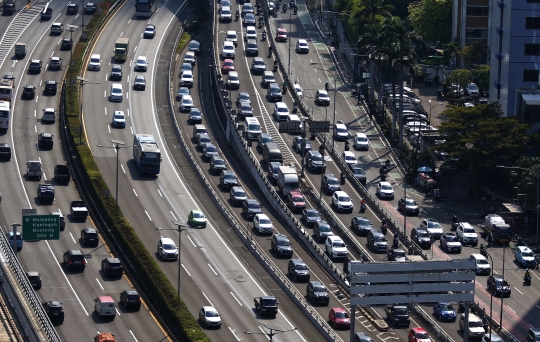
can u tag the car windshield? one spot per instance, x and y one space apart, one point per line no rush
250 16
240 193
245 106
197 215
187 76
446 307
410 201
251 46
342 314
233 78
282 110
229 176
269 302
344 199
363 221
141 61
400 311
205 139
433 224
94 60
338 244
332 181
450 238
212 314
324 228
221 162
228 64
211 148
312 213
527 254
379 238
254 127
316 157
422 234
358 171
254 205
141 79
117 91
341 130
183 91
473 324
386 187
168 246
482 262
319 288
469 230
116 69
264 220
119 116
186 100
500 282
225 11
283 242
231 36
350 157
421 335
244 97
298 199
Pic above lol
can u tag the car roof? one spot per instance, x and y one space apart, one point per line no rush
385 183
348 153
228 43
524 249
116 85
336 238
281 104
340 193
418 329
166 240
302 41
209 308
262 216
295 193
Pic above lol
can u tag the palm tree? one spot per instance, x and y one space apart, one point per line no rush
375 9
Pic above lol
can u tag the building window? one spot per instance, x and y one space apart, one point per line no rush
532 23
477 11
532 49
476 33
530 75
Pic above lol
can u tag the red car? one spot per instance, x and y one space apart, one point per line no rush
339 318
296 201
418 335
228 65
281 35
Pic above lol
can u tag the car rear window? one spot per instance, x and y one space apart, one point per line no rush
77 257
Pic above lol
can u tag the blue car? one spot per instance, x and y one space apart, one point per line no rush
444 311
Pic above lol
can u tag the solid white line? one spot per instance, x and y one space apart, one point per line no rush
264 333
35 113
194 245
174 217
118 312
122 166
212 269
515 288
135 192
204 294
148 215
159 192
232 332
232 294
185 269
132 334
105 110
72 238
100 284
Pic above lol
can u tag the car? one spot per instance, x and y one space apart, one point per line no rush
227 65
335 247
258 65
339 318
315 160
525 257
72 8
49 115
45 141
116 72
95 62
298 90
475 326
237 195
262 224
252 48
349 158
295 201
35 279
310 216
51 87
340 131
492 337
302 46
247 8
418 334
149 31
196 218
35 66
233 80
358 173
195 116
362 337
298 270
377 241
89 237
361 225
281 111
112 267
74 259
482 265
281 35
497 285
466 234
185 67
54 311
450 243
444 312
243 97
139 83
167 249
385 190
202 140
297 144
533 334
90 8
472 89
181 92
433 227
57 28
227 179
186 79
317 292
231 36
322 97
225 14
249 19
217 165
408 206
342 201
262 140
330 183
5 151
194 46
29 91
281 245
251 207
210 317
119 119
322 230
67 44
251 33
245 109
421 237
186 103
268 78
141 64
130 299
209 151
116 94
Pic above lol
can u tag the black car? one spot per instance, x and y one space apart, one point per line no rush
377 241
262 140
310 216
195 116
361 225
67 44
408 206
139 83
74 259
317 292
251 207
89 237
72 8
237 195
29 91
498 286
5 151
330 183
194 46
45 141
209 151
298 270
421 237
90 8
217 165
112 267
130 299
314 160
281 245
227 179
273 171
358 173
51 87
321 231
54 311
35 279
116 72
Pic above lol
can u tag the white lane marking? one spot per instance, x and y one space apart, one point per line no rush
135 192
148 215
37 98
132 334
109 128
264 333
100 284
72 238
106 77
35 129
122 166
35 113
105 110
174 217
159 192
212 269
204 294
185 269
232 332
118 312
194 245
232 294
44 176
515 288
511 309
105 93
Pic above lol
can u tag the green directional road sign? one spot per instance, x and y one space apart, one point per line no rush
41 227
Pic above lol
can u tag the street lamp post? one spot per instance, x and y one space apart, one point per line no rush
429 119
82 81
71 29
335 92
289 41
537 192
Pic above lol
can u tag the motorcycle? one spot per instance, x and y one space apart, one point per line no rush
270 52
363 208
260 24
454 223
295 108
275 66
237 16
313 135
527 280
347 147
485 324
395 244
295 11
284 8
326 86
284 89
342 177
387 163
437 194
384 229
484 253
383 171
264 36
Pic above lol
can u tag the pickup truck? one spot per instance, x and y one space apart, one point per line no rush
61 174
78 210
45 193
398 315
266 305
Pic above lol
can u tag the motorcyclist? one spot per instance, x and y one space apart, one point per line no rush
454 220
270 51
387 163
527 273
483 249
264 34
284 88
237 14
326 86
363 201
396 241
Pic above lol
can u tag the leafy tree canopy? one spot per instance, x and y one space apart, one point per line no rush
432 19
461 77
480 74
476 53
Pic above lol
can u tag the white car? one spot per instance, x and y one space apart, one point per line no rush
149 31
349 158
208 315
302 46
95 62
385 190
141 63
119 119
466 234
231 36
190 58
335 247
167 249
281 112
340 131
55 63
186 103
262 224
186 79
342 201
117 94
225 14
227 50
433 227
298 90
361 141
251 33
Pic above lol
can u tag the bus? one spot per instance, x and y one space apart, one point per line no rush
7 84
144 8
146 154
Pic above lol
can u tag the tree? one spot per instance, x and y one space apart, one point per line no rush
476 53
461 77
432 19
375 10
480 75
480 138
451 50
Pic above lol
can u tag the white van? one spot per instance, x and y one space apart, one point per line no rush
105 307
252 128
361 142
95 62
